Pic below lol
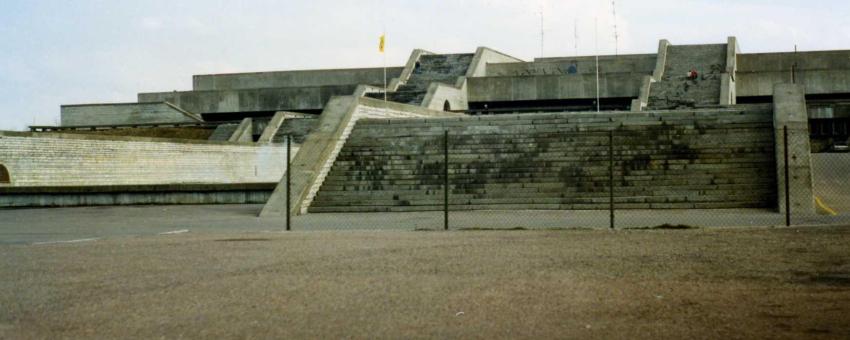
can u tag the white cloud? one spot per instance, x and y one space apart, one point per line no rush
54 57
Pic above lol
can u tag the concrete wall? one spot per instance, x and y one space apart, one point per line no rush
301 78
268 99
86 196
637 63
488 89
820 72
484 58
51 160
121 114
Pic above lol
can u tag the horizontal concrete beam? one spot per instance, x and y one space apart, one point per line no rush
823 81
298 78
124 114
252 100
580 86
643 63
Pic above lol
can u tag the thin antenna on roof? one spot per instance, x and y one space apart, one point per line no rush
616 34
541 30
575 36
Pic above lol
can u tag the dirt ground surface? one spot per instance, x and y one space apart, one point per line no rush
693 283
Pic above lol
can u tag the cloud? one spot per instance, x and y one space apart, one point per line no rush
85 51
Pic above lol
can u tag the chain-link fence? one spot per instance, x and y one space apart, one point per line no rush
642 175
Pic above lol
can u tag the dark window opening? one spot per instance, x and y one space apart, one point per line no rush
550 105
4 175
447 106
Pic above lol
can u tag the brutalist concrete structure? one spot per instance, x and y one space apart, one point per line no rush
722 124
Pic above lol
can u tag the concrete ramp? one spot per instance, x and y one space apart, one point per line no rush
319 150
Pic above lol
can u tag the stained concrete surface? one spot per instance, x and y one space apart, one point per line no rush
28 226
699 283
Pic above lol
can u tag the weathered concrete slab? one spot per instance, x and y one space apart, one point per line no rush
789 103
124 114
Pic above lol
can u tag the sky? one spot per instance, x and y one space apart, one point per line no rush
96 51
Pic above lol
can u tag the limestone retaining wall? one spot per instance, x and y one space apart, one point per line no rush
69 160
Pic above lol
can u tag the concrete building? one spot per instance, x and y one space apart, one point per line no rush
479 95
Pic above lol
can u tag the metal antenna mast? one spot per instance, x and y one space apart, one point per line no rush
616 34
541 31
575 35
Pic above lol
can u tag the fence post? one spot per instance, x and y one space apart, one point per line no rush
611 177
288 182
446 179
787 186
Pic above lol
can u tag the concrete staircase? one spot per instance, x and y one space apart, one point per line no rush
441 68
675 90
697 159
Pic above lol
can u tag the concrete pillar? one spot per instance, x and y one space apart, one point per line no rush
789 110
660 59
271 129
244 132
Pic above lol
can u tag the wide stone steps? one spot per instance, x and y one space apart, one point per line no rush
439 68
721 159
676 90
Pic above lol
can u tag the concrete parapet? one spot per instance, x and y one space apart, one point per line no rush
485 56
61 160
125 114
322 145
572 86
661 59
408 69
728 90
643 96
251 100
297 78
789 109
244 132
635 63
271 129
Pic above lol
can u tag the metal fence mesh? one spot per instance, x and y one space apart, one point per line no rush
612 177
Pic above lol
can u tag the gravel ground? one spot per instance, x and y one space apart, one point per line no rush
695 283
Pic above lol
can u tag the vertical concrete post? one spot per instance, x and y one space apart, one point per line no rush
789 109
244 132
660 59
727 78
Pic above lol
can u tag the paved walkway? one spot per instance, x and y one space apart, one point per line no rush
28 226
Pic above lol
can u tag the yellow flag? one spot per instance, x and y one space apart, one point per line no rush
381 44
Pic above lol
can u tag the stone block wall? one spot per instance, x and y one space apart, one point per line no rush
664 159
68 160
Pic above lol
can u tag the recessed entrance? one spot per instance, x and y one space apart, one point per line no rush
4 175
